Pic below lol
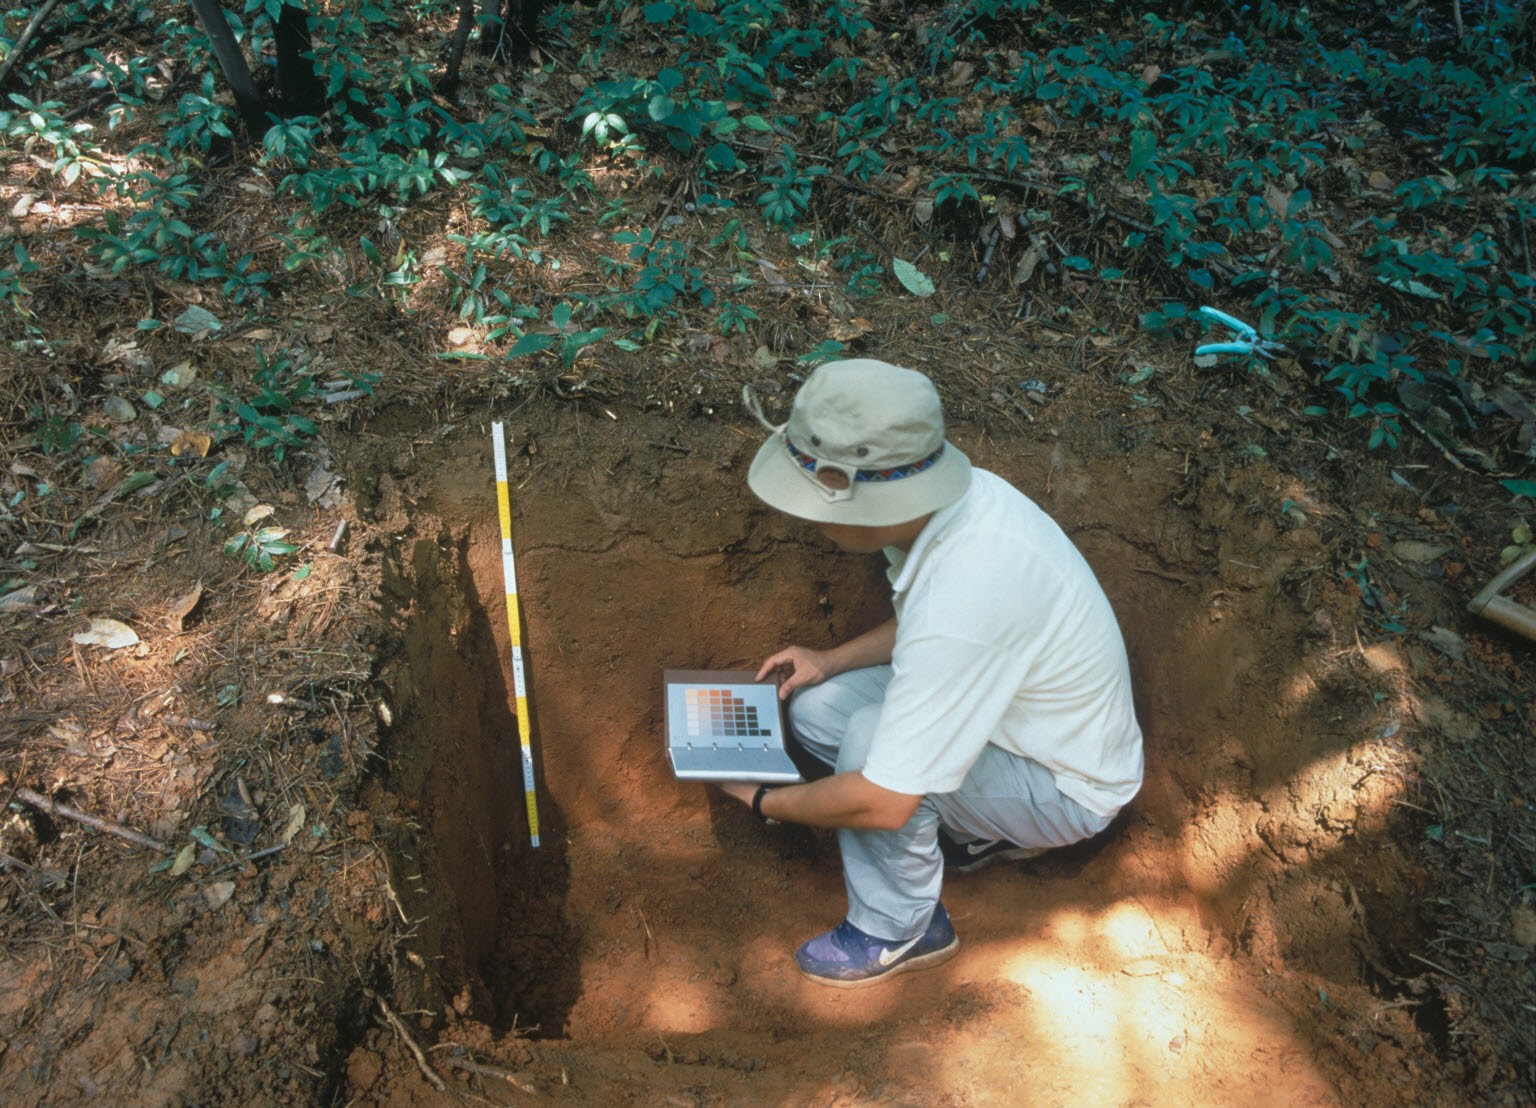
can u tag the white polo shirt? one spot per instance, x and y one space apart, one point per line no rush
1004 636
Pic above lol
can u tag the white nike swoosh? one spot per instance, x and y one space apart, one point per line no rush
979 848
890 955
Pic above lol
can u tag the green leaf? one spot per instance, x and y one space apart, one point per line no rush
153 398
1143 148
531 344
1521 488
200 835
302 573
912 279
196 320
722 157
756 123
1415 288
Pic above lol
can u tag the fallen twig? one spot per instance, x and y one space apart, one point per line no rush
341 530
405 1036
295 703
490 1071
187 721
16 863
37 800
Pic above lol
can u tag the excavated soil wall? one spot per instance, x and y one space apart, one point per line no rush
652 907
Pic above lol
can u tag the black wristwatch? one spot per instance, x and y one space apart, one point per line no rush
757 803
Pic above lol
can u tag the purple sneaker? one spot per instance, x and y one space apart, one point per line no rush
847 958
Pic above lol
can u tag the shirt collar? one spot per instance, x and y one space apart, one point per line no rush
903 564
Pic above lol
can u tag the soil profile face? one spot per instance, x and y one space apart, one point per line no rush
1207 950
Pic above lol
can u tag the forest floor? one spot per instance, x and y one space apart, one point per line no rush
1322 895
1263 925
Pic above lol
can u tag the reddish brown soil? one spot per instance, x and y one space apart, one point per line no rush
1208 951
1252 931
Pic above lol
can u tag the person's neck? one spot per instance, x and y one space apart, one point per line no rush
905 534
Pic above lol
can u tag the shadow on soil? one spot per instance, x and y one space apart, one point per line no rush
1269 799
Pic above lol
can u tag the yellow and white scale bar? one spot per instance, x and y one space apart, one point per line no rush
514 623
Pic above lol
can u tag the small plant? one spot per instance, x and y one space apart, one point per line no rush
260 548
1520 544
39 124
268 421
789 188
566 343
197 122
13 289
734 318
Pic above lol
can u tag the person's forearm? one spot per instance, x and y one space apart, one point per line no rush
872 648
842 800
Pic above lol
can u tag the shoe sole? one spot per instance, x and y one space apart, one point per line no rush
922 961
1022 854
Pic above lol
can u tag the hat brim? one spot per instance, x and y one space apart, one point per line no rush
777 480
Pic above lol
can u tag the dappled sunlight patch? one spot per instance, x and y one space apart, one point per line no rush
685 1007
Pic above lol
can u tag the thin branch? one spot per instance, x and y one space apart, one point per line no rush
490 1071
64 811
34 25
405 1036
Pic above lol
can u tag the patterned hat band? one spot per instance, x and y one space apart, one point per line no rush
809 463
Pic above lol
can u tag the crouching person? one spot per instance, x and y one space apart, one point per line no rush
989 719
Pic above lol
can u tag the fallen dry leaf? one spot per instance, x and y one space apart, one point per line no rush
217 895
103 472
23 599
1523 925
1418 552
1026 267
108 633
177 616
191 443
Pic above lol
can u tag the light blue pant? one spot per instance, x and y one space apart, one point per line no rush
893 877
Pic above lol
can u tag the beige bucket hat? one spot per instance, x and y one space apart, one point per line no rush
864 445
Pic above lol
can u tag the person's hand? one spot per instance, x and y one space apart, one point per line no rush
797 666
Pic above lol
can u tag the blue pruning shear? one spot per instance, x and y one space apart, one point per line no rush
1248 340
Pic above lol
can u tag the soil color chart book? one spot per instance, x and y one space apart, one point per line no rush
724 726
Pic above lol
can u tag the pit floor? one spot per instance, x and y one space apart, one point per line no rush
1207 951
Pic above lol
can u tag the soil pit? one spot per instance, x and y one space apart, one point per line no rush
1228 938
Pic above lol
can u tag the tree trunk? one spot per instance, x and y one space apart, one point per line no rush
450 82
248 100
297 86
